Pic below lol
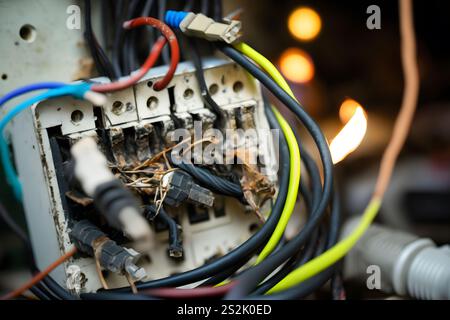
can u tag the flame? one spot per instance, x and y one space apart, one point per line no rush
352 134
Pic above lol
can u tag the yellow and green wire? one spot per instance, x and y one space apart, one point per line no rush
294 151
339 250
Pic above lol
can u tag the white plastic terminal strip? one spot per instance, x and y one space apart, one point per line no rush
199 25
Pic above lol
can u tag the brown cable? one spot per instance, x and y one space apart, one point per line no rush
38 277
409 102
97 246
131 283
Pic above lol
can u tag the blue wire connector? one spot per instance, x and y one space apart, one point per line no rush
173 18
199 25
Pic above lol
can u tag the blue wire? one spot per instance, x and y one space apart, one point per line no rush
28 88
75 90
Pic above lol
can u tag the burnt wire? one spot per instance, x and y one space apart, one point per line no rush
240 254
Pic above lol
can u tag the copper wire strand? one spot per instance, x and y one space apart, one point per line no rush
159 155
97 248
206 139
41 275
409 100
131 283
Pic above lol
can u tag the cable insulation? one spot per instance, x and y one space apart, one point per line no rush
38 277
169 36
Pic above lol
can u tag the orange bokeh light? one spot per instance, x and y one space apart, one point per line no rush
347 109
296 65
304 23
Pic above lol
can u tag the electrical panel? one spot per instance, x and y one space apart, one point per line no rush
134 125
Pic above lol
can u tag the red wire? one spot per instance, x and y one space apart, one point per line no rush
169 36
199 292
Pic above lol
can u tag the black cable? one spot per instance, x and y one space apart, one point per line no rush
162 6
305 193
242 252
311 203
294 262
118 36
147 8
147 33
312 247
225 274
128 49
205 7
309 286
303 255
175 242
135 40
322 241
231 272
57 290
89 38
315 181
106 21
262 270
42 285
300 291
189 6
39 293
133 57
194 54
208 180
218 14
307 253
101 61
